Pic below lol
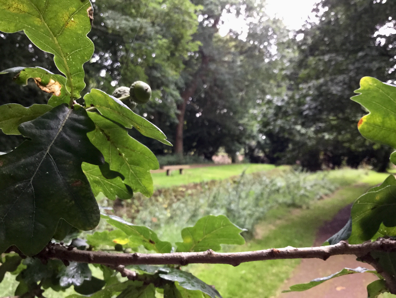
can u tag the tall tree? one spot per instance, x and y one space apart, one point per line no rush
226 77
345 42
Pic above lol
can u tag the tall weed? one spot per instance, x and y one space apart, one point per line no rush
244 200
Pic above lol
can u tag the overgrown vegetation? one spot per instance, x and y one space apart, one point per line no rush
244 200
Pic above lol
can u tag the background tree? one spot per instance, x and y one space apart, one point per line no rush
345 41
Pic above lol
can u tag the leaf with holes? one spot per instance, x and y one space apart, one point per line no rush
208 233
125 155
116 110
188 281
111 188
12 115
139 235
56 27
41 181
45 80
318 281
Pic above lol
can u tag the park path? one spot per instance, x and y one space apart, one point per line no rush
351 286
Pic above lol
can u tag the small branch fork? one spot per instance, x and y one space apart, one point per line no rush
55 251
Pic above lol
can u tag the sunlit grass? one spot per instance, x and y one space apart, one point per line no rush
198 175
283 227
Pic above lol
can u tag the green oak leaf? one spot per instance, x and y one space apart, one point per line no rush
105 238
108 291
376 288
65 232
9 263
138 290
318 281
41 181
176 291
139 235
88 287
74 274
387 261
116 110
373 208
125 155
12 115
56 27
36 271
208 233
45 80
111 188
188 281
380 99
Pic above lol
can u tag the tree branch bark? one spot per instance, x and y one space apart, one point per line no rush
55 251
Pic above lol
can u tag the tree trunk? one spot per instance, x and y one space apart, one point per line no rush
186 94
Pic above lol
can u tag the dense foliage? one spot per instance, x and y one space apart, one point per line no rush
76 147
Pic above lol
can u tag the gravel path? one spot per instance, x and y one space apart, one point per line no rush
351 286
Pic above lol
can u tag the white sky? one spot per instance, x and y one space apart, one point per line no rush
292 12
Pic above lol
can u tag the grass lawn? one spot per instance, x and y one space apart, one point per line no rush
283 227
206 173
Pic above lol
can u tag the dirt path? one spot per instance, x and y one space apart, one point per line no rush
351 286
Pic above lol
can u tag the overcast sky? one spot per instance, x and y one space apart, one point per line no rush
293 13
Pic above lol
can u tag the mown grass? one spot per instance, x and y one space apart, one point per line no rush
283 227
203 174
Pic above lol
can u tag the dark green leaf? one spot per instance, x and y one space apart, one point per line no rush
318 281
65 232
41 181
139 235
116 110
342 234
372 209
36 271
124 154
208 233
376 288
111 188
57 27
176 291
188 281
138 291
108 292
10 264
90 286
74 274
150 269
387 261
12 115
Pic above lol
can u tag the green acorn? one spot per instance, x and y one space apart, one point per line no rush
118 247
140 92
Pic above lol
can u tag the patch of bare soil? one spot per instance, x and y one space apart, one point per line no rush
350 286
